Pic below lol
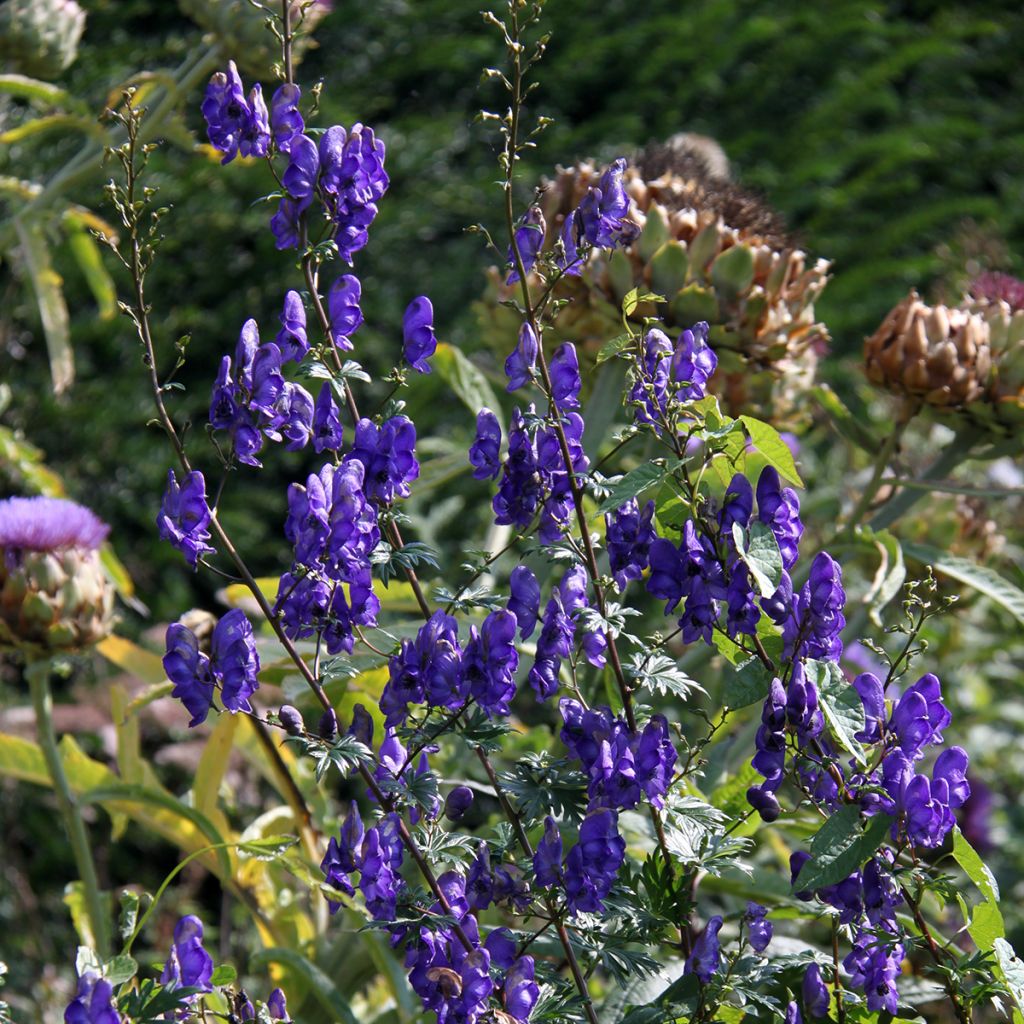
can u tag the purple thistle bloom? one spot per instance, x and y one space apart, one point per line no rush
529 237
604 209
291 339
285 118
93 1003
693 362
521 365
706 956
547 859
814 992
50 524
234 660
255 140
343 309
778 508
189 965
484 453
184 517
419 340
328 433
388 454
189 669
629 534
524 600
565 376
226 112
521 991
758 926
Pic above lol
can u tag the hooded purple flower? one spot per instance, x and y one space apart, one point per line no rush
629 534
342 857
189 965
189 669
604 209
570 262
778 508
521 991
255 139
521 488
226 112
93 1003
285 118
185 517
594 862
419 340
485 451
490 661
547 859
920 716
706 956
565 376
291 339
328 433
649 392
300 176
529 239
814 992
388 454
521 365
693 362
874 966
343 308
758 927
50 524
277 1006
524 600
234 659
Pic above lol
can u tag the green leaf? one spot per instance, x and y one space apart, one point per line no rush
323 989
90 261
768 442
762 557
974 867
39 92
129 916
120 969
840 703
63 123
891 573
267 847
983 579
749 684
841 847
844 421
613 347
49 293
465 379
634 483
223 974
1012 970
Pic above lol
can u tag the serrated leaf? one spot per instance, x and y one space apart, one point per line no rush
749 684
761 556
767 440
984 580
840 703
613 348
841 847
634 483
120 969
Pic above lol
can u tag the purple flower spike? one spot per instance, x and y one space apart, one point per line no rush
185 517
234 659
524 601
604 210
419 340
189 965
693 362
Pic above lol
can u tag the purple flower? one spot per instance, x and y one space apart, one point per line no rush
291 339
521 365
300 176
872 696
814 992
379 881
565 376
93 1002
490 662
524 600
693 362
547 859
484 453
388 454
255 138
706 956
277 1006
793 1014
189 965
604 209
293 417
821 602
285 118
778 508
267 380
529 237
328 433
758 927
629 535
594 862
521 488
285 223
654 757
737 506
189 669
920 716
428 670
234 660
343 308
458 802
874 965
226 112
649 391
185 517
50 524
480 880
569 261
342 857
521 991
419 340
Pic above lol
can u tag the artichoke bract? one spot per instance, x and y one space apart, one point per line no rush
966 361
716 253
40 37
54 594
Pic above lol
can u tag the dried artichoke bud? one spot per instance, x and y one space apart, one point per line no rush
40 38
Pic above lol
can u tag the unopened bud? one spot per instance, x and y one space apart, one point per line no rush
291 720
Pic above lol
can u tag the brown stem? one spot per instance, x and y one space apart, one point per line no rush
963 1016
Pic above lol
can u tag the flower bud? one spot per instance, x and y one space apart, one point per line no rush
328 727
291 719
459 801
362 726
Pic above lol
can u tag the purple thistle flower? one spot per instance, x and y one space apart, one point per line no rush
564 370
484 453
529 235
524 600
343 309
758 926
189 669
50 524
188 965
184 517
93 1003
291 339
419 340
285 118
328 433
706 956
814 992
521 365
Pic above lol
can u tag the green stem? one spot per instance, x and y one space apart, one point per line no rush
38 675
